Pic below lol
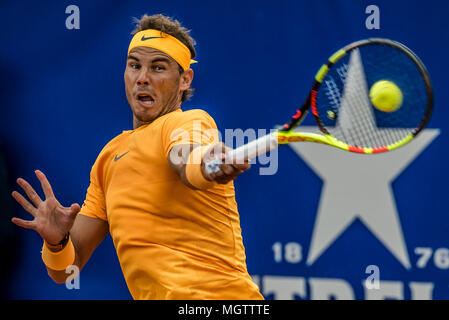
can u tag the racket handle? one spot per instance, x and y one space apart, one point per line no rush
246 152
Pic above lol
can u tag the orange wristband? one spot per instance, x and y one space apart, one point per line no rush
59 260
193 169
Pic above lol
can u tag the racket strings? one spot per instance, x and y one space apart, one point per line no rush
345 92
356 125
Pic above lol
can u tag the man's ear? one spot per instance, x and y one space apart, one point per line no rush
186 79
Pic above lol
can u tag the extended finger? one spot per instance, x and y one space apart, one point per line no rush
243 166
23 223
32 195
46 187
24 203
228 169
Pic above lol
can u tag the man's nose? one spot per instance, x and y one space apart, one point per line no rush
143 79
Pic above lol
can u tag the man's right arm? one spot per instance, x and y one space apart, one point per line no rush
86 234
178 161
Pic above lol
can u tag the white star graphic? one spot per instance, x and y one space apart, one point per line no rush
359 186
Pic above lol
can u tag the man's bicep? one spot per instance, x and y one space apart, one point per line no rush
87 233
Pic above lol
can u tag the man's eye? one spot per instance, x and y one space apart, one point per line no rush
135 66
158 68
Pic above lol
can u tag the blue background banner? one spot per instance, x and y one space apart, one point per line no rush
317 229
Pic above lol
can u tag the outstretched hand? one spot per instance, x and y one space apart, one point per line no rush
51 220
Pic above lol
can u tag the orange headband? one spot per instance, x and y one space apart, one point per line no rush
164 42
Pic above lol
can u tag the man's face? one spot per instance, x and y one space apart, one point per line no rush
153 84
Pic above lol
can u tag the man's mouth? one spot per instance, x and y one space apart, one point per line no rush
145 99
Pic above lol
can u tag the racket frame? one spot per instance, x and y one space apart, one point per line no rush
288 128
286 134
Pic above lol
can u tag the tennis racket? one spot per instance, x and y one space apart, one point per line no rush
341 100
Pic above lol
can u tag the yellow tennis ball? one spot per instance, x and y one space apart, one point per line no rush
386 96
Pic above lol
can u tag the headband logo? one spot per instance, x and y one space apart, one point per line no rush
143 38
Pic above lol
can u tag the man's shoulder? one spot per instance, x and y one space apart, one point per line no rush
191 115
118 138
196 112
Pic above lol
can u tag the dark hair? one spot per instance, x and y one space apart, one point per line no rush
173 28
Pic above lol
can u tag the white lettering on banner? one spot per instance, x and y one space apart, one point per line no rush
289 288
440 257
284 288
421 290
387 290
291 252
330 289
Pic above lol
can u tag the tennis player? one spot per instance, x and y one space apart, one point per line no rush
175 227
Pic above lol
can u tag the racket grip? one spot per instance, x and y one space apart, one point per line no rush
246 152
